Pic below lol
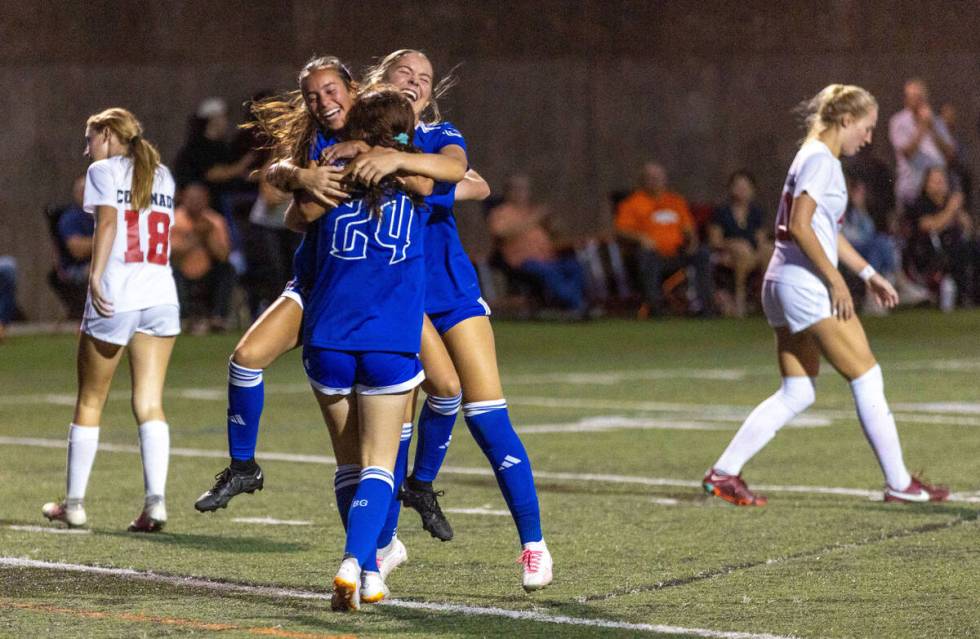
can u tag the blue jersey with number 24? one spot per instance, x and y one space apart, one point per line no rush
369 287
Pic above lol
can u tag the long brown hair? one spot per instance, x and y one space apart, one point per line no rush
285 120
382 116
377 74
145 156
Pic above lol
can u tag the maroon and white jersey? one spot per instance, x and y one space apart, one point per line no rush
816 172
137 274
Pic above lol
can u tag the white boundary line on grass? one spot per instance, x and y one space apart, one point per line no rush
290 593
50 530
484 472
270 521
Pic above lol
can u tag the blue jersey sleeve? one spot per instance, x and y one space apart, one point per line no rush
443 196
446 135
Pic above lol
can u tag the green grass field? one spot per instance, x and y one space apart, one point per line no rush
620 418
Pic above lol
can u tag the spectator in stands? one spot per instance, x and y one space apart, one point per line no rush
74 229
961 163
879 249
199 250
921 141
738 235
269 247
8 292
526 246
942 245
659 221
207 155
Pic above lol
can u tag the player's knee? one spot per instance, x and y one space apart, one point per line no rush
445 386
798 393
250 355
147 409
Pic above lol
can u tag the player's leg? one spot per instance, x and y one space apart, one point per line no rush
799 364
471 345
340 416
846 347
149 356
443 400
96 364
275 332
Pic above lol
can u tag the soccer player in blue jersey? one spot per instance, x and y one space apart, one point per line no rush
363 326
301 125
458 351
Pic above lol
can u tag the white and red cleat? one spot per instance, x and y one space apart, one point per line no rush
391 556
731 488
347 586
917 492
152 519
537 565
69 511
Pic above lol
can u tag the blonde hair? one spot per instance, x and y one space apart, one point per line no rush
377 74
285 119
145 156
828 108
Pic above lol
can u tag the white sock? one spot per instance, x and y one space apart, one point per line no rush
83 441
794 396
155 449
879 426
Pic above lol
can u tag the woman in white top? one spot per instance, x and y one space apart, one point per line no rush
808 304
132 306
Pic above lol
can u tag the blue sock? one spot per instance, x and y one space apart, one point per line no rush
490 426
367 515
435 433
401 467
345 481
246 394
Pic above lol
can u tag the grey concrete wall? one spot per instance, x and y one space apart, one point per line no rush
576 93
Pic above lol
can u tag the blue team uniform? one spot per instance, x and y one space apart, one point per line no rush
362 325
452 289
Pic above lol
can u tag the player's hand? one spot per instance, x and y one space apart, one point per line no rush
326 183
883 291
841 304
101 303
344 151
371 167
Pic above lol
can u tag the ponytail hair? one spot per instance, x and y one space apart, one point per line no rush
285 121
828 108
378 74
145 156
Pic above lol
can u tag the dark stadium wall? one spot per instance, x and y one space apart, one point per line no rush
575 93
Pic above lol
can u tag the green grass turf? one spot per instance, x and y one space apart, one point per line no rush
811 565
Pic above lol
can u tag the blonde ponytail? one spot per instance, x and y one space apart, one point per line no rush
145 156
828 108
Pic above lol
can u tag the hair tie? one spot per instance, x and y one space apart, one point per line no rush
402 138
134 139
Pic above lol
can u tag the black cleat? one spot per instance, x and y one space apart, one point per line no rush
421 497
229 483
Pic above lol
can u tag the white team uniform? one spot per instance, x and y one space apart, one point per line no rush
793 294
137 278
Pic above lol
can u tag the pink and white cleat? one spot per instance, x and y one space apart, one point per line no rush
70 511
153 518
391 556
537 564
917 492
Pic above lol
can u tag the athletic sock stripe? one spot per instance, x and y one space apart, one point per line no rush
379 473
352 481
406 431
445 405
478 408
345 475
241 376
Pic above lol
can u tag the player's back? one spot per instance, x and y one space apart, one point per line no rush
368 289
137 274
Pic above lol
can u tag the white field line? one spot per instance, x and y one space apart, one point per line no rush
54 531
485 472
483 510
609 378
665 501
618 422
269 521
291 593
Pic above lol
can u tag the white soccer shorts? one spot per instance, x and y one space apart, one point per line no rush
159 321
797 307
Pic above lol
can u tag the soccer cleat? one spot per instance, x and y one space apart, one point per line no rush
228 484
422 498
732 489
917 492
391 556
347 586
373 588
153 518
537 565
69 511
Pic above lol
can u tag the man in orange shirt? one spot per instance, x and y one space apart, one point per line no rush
659 221
199 250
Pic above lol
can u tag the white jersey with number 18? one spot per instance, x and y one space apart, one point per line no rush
137 274
816 172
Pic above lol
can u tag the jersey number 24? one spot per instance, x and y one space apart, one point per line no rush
392 229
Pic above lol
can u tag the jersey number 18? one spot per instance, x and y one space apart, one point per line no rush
158 238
